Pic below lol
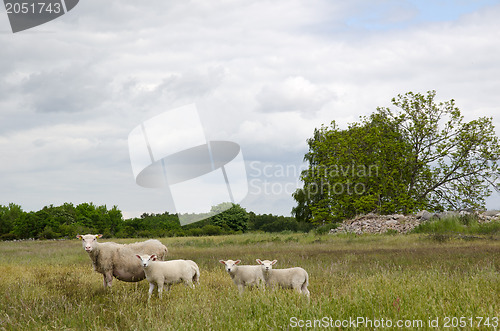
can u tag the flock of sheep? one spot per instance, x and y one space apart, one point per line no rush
134 262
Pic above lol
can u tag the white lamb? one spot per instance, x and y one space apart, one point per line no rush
118 260
168 272
295 278
244 275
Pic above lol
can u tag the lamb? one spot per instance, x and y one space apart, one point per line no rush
112 259
296 278
243 275
168 272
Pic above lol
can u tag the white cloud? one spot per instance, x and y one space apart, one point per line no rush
294 94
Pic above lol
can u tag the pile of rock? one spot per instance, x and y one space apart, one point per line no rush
488 216
373 223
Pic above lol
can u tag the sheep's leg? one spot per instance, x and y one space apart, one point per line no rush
151 288
160 290
305 291
196 278
297 287
241 288
107 279
188 283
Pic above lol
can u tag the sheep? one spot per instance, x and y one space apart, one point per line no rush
112 259
295 278
243 275
168 272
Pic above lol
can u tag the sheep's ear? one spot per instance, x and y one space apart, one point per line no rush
237 262
258 261
274 262
98 236
153 257
222 261
79 236
138 256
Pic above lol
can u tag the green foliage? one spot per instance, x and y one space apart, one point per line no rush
422 155
458 225
454 162
235 217
324 229
354 171
67 221
272 223
58 222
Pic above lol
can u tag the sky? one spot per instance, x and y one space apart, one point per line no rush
263 74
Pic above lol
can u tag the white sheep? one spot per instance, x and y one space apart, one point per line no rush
168 272
295 278
118 260
243 275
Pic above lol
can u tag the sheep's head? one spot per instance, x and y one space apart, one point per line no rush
266 264
89 241
146 259
230 265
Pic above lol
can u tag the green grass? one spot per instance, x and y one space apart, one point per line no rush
47 285
443 229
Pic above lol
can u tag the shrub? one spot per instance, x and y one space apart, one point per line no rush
324 229
467 224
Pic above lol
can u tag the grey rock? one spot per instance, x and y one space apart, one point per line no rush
424 215
446 214
491 213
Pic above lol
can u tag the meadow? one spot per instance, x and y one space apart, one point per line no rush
356 282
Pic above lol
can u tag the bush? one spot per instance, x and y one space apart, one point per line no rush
324 229
492 228
211 230
49 233
467 224
444 225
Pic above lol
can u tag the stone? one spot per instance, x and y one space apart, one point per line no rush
424 215
491 213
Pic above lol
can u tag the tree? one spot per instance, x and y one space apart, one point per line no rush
353 171
8 217
422 155
234 218
454 162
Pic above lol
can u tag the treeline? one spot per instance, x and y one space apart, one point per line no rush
68 220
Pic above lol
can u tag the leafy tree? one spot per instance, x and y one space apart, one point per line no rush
234 218
353 171
301 212
422 155
8 217
454 162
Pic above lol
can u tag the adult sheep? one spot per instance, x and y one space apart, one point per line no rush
296 278
118 260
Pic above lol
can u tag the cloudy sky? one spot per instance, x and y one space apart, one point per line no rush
262 73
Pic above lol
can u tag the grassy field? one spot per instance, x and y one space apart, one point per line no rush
356 282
